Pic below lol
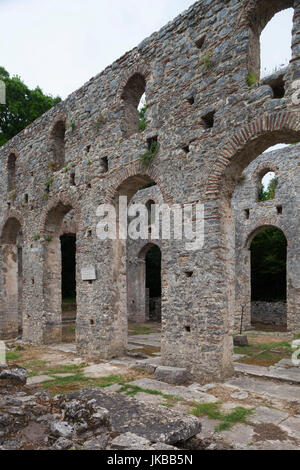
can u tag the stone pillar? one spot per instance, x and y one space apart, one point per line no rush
136 291
10 296
102 327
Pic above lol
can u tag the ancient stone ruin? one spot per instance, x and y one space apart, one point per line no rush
210 124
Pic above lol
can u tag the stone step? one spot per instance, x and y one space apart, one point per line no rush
266 388
291 375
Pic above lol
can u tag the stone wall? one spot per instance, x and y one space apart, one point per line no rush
269 313
252 216
86 151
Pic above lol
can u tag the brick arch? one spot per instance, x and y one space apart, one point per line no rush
257 13
136 169
66 200
256 136
140 68
12 215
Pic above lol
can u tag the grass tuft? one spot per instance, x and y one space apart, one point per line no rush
212 411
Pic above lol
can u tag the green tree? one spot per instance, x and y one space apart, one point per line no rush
269 193
22 106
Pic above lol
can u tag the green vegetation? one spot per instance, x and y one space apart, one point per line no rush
78 381
269 193
264 354
140 330
132 390
148 157
142 120
12 355
22 106
252 79
212 411
206 61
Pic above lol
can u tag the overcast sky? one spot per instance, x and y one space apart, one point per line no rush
61 44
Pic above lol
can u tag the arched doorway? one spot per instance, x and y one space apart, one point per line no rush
11 316
268 248
68 286
59 269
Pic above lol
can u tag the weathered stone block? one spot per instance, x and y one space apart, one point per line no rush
240 340
13 375
171 375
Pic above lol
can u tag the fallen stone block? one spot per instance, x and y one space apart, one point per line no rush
154 423
171 375
13 375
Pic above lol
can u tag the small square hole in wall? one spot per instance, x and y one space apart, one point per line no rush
89 186
191 100
32 281
151 140
186 148
88 148
189 273
104 164
26 198
208 120
89 234
247 214
199 42
279 210
92 322
8 205
187 328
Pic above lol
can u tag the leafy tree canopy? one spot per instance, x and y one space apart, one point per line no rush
22 106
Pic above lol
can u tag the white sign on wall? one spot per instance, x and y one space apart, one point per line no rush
88 273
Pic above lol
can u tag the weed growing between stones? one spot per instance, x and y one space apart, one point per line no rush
212 411
252 79
148 157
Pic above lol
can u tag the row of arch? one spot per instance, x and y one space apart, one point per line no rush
259 15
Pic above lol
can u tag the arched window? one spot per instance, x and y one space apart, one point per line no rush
267 185
58 145
132 96
11 172
266 55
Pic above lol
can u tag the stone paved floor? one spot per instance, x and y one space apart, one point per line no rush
271 393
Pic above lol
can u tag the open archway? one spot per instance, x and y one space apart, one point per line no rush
11 315
244 147
59 269
268 248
